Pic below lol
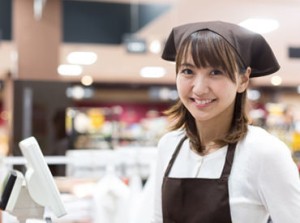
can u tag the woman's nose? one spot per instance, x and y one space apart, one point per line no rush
200 85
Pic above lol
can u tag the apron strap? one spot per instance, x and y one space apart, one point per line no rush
228 161
174 156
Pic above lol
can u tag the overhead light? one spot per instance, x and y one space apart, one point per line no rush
69 70
276 80
155 46
79 92
83 58
87 80
153 72
260 25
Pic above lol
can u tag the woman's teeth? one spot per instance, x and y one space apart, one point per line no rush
203 102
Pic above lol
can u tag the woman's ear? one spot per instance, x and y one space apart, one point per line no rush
243 81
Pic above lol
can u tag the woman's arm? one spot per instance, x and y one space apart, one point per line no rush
279 184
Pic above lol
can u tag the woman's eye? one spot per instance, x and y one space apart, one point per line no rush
217 72
186 71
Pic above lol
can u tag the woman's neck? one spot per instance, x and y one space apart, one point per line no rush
213 130
210 138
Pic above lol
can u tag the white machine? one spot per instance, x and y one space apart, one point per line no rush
26 197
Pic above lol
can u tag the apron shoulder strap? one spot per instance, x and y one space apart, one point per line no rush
228 161
174 156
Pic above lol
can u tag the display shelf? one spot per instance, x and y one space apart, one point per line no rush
105 128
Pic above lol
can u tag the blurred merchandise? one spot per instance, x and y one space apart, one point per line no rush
110 127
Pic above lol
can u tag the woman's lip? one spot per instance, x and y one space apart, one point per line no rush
201 103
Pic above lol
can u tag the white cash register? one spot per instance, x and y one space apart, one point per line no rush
27 196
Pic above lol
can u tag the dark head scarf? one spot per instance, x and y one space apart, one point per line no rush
251 47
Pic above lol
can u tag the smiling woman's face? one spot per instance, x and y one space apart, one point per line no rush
208 76
206 92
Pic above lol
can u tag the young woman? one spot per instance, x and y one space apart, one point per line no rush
214 167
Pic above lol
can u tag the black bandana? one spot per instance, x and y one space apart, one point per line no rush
251 47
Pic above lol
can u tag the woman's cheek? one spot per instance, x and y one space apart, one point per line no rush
226 90
182 87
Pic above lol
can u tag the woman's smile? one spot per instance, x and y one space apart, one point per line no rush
202 103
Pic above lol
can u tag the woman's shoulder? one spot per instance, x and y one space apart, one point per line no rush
261 152
172 137
260 141
169 141
167 145
259 135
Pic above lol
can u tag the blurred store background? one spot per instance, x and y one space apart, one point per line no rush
85 78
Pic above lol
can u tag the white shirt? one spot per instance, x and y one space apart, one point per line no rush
264 179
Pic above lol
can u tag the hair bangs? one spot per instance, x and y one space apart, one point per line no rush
210 49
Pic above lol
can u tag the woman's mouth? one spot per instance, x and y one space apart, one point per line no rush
202 102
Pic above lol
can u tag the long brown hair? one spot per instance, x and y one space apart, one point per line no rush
209 49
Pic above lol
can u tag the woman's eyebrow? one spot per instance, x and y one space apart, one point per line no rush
185 64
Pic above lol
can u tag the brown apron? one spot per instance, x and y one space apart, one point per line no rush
197 200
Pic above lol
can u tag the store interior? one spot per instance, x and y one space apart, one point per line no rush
104 116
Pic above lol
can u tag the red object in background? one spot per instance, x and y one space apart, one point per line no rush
2 116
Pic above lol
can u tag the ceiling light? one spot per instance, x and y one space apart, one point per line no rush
87 80
260 25
155 46
276 80
79 92
83 58
152 72
69 70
